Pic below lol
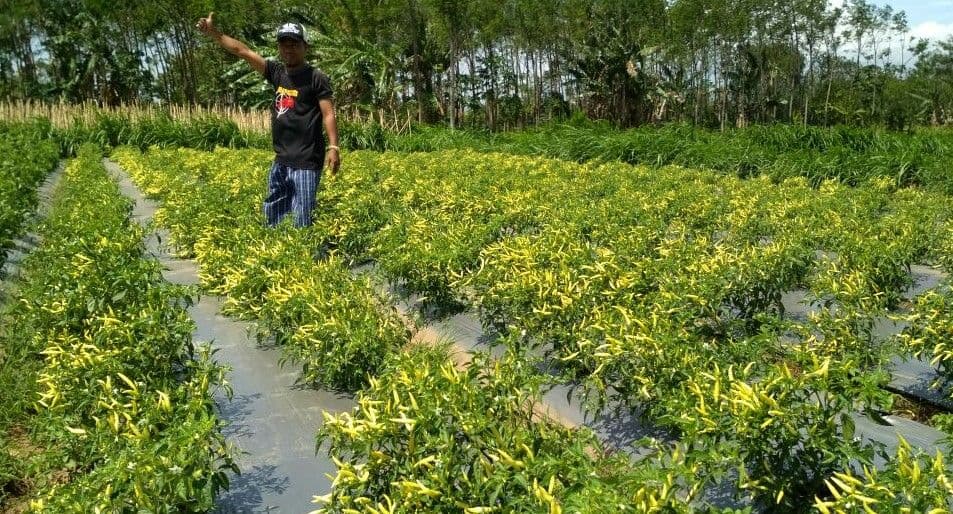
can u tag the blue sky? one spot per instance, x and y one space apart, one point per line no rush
928 18
931 19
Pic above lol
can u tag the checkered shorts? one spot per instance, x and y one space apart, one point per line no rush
291 191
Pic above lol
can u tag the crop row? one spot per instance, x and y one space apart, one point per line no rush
422 422
663 288
107 405
27 155
659 288
324 318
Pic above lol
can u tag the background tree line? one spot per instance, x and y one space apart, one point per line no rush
501 63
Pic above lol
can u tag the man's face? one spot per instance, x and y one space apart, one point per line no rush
292 51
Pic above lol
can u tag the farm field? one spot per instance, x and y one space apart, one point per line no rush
661 288
470 257
750 324
107 404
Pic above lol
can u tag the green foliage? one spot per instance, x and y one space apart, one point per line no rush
366 136
27 154
324 318
114 129
117 129
428 436
911 482
849 155
499 64
659 288
930 333
643 281
115 403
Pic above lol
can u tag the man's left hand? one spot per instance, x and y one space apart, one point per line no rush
333 161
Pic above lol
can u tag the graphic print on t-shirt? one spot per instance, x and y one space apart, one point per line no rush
284 100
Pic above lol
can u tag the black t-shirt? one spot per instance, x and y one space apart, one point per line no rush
296 123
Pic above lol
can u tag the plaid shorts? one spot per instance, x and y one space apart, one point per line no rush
291 190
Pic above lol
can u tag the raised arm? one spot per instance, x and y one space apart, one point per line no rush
232 45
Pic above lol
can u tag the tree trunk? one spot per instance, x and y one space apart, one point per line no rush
28 69
452 108
809 88
471 62
827 96
491 89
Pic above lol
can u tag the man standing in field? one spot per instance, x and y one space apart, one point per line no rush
302 96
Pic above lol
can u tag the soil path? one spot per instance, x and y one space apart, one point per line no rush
270 420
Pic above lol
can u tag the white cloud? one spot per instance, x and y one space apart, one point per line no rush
932 30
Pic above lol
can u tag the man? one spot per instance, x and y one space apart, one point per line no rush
302 95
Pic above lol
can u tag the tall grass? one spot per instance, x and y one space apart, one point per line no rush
205 132
176 126
847 154
63 115
850 155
